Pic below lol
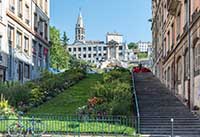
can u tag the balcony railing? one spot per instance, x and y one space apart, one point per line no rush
172 6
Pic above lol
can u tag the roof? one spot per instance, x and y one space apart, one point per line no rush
80 21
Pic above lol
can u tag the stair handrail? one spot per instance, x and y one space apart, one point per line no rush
136 104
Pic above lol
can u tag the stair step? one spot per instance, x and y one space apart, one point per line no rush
158 105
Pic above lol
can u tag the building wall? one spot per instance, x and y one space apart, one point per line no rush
114 36
89 52
171 48
26 38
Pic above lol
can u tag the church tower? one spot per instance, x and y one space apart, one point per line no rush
80 30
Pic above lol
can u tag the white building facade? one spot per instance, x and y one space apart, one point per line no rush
25 39
144 46
95 51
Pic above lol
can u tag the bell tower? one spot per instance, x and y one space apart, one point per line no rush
80 30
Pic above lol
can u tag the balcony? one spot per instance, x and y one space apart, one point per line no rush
172 6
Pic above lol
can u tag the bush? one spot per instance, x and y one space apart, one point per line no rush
115 91
34 93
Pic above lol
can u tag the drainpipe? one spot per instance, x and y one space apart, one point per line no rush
190 78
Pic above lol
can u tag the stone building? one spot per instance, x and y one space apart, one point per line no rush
176 47
24 39
94 51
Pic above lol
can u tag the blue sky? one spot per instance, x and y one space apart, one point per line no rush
127 17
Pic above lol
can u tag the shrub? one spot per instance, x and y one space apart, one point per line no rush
5 108
115 91
34 93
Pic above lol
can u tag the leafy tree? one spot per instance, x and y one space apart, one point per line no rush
132 45
65 39
58 55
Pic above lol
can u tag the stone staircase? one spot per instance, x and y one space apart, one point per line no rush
157 106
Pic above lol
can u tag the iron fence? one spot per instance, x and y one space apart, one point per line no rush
72 124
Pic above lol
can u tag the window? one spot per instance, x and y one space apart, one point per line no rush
69 49
197 57
89 55
178 24
104 48
27 14
84 55
19 40
35 22
74 49
185 11
19 6
41 22
164 44
26 71
40 50
84 49
168 43
34 61
10 33
79 49
46 31
179 68
99 48
120 47
173 35
168 77
34 47
12 5
89 48
94 48
186 61
26 44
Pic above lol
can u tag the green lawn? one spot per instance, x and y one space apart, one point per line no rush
68 101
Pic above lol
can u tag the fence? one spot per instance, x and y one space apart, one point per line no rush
74 124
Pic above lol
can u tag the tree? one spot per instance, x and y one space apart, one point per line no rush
59 56
64 39
132 45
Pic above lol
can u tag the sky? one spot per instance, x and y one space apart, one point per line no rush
127 17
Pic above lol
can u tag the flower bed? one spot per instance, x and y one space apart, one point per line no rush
112 96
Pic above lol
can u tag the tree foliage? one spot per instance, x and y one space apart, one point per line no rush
58 54
65 39
132 45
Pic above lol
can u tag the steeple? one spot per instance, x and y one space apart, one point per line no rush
80 30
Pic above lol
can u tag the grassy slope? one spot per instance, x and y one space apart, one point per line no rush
68 101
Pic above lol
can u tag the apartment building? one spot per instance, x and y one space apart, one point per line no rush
3 49
176 47
24 39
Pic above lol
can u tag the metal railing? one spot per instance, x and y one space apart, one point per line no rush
74 124
136 105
